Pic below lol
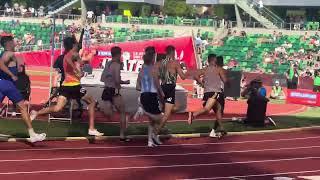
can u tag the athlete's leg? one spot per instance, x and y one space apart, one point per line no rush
61 102
91 110
218 126
168 107
206 109
119 104
15 96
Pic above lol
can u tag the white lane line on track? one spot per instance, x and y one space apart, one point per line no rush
256 175
156 155
165 145
154 167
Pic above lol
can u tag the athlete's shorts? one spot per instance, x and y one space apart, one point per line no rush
8 89
72 92
169 91
150 103
108 94
220 99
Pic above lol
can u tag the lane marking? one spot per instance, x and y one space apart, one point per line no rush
156 155
155 167
256 175
166 145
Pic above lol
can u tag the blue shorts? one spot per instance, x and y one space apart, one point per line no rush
7 88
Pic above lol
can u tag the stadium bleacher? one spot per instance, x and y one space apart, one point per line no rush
43 33
237 48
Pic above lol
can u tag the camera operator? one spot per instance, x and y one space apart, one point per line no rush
257 103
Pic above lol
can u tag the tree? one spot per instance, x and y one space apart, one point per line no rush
178 8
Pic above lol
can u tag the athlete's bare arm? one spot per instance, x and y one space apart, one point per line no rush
156 80
198 74
5 59
115 70
138 85
223 76
182 75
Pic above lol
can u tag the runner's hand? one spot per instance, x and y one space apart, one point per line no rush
14 78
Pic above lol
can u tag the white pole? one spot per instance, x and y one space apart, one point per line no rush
52 55
62 37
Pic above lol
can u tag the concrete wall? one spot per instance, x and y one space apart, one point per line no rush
156 2
266 2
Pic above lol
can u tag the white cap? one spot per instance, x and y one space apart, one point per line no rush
277 82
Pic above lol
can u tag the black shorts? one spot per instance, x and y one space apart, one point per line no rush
150 103
72 92
169 91
220 99
108 94
25 95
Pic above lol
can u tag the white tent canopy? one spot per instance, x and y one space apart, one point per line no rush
156 2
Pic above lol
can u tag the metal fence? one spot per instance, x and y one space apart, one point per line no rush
17 14
97 42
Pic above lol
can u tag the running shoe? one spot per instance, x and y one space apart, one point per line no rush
213 134
156 139
139 113
33 115
151 144
94 132
37 138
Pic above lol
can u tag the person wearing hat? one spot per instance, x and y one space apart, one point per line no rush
277 91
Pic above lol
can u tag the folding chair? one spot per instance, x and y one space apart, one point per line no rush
14 113
64 119
26 94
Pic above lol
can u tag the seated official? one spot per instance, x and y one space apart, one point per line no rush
277 92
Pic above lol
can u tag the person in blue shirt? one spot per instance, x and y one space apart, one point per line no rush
8 77
262 91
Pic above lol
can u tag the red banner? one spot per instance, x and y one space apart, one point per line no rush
305 97
132 53
38 58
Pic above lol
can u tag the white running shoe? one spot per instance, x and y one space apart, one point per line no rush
151 144
156 139
94 132
33 115
139 113
213 133
37 138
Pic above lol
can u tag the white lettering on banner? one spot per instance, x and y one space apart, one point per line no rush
131 63
180 58
104 53
303 95
139 66
137 55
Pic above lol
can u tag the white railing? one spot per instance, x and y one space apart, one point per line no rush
95 42
16 14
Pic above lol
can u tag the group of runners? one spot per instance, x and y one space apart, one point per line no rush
156 81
